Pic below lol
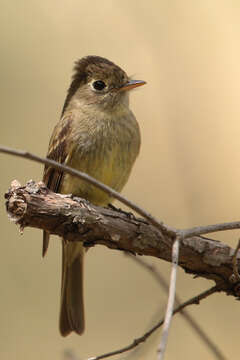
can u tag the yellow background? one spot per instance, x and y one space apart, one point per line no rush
187 174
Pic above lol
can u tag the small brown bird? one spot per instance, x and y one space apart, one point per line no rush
99 135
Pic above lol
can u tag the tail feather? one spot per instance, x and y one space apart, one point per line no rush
72 306
45 243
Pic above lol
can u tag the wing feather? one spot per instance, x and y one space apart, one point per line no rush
58 150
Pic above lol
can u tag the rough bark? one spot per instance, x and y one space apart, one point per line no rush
76 219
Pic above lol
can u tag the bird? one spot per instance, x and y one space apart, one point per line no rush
97 134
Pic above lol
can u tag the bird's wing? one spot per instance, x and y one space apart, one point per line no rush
60 151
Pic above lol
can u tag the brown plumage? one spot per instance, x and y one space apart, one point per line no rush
97 134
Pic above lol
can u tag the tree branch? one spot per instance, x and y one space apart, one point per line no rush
144 337
89 179
76 219
213 347
171 300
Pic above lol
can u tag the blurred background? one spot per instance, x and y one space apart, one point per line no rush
187 173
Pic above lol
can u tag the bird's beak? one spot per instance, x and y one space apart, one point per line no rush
131 84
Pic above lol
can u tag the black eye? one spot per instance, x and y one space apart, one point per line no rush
99 85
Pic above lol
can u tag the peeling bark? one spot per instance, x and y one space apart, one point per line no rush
76 219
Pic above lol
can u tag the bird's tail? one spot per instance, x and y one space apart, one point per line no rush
72 307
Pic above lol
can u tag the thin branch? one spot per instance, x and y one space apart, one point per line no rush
190 320
185 233
111 192
179 308
171 298
201 230
136 342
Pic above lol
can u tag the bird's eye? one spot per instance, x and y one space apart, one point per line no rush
99 85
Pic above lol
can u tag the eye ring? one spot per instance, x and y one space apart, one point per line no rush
98 85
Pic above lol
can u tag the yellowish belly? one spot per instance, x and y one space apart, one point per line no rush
111 169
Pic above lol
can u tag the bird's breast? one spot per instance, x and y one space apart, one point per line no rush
107 152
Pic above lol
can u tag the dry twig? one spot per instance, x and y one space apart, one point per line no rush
171 299
114 194
166 234
190 320
136 342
